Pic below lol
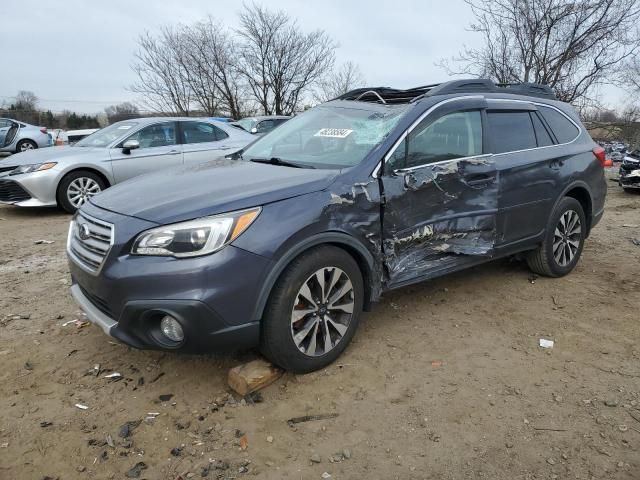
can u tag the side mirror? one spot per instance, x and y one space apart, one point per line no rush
130 145
254 130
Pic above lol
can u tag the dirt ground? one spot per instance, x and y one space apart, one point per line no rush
444 380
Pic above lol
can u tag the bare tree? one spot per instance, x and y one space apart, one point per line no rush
572 46
211 60
163 79
630 77
339 81
121 111
279 62
26 101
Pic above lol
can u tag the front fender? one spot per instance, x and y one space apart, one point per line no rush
364 258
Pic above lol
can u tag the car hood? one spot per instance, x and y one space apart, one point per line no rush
52 154
219 186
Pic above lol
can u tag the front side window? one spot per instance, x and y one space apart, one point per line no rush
247 123
200 132
511 131
265 126
328 136
455 135
158 135
564 130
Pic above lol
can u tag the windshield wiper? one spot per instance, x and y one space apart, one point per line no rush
279 161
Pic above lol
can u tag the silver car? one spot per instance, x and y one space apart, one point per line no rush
68 176
16 137
261 125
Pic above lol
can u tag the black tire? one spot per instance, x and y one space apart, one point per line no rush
68 179
543 261
277 342
22 143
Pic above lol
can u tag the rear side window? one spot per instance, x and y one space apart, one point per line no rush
199 132
511 131
542 135
564 130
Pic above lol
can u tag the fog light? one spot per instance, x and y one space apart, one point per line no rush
171 328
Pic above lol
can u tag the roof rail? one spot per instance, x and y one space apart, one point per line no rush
389 95
385 95
533 89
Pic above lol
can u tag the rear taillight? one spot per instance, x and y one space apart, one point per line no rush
601 155
43 130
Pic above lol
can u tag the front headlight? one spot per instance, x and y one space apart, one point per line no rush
37 167
195 237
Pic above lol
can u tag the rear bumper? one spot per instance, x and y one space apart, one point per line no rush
596 217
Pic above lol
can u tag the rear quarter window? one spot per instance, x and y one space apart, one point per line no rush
564 130
511 131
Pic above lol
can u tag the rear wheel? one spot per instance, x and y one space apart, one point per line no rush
313 311
564 240
24 145
76 188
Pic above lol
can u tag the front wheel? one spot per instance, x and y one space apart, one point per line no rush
25 145
563 242
76 188
313 311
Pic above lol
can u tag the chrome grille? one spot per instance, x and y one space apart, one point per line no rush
89 242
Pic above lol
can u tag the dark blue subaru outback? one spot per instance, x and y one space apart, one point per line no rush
284 245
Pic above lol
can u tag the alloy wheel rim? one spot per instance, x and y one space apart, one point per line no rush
567 237
81 190
322 311
26 146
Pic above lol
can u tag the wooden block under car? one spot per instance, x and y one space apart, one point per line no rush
253 376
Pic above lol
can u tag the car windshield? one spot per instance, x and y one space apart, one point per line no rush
104 137
247 123
328 136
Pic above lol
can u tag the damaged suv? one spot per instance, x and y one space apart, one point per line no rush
630 171
284 245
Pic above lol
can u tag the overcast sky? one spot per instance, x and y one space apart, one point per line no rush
76 54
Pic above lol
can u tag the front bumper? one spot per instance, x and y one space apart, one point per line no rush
213 296
630 175
138 325
37 189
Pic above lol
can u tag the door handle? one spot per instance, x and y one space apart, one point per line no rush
174 152
556 163
225 147
478 179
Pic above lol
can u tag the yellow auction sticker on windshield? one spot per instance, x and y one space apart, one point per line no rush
333 132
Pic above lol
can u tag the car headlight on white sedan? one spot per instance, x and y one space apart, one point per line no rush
36 167
194 237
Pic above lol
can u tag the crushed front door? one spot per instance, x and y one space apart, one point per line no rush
439 214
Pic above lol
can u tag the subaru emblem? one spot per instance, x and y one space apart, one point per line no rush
83 231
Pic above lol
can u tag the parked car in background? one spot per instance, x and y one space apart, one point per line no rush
68 176
616 156
69 137
381 188
222 119
16 137
261 125
630 171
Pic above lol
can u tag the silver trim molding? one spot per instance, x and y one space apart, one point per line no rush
94 315
392 150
